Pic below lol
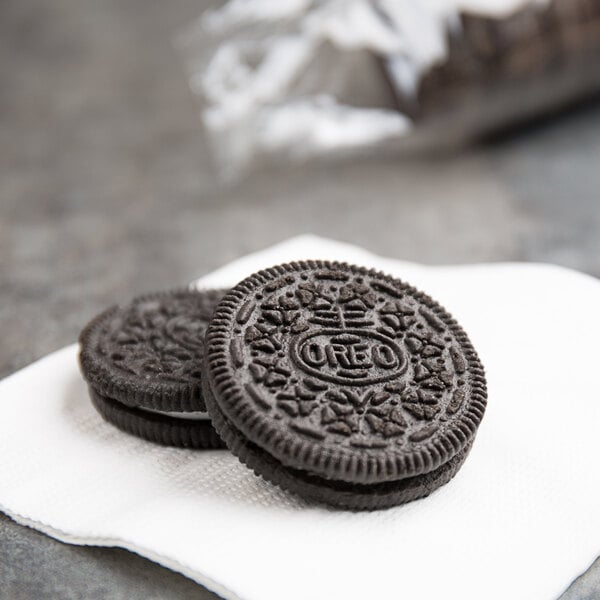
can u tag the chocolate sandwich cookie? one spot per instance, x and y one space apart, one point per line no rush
142 363
341 384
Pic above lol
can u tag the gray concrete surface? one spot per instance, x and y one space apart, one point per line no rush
107 190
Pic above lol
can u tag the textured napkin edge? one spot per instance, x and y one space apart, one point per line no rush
116 542
93 540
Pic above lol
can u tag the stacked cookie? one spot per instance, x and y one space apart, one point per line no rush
335 382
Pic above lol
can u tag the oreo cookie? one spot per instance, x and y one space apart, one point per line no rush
341 384
142 363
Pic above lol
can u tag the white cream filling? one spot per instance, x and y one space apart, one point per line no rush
191 416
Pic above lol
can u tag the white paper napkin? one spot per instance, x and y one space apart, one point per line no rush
520 520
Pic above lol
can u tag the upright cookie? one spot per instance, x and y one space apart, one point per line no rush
143 364
342 384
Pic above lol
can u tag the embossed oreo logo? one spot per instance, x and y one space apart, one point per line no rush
348 356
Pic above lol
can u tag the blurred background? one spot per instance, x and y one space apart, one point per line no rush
115 180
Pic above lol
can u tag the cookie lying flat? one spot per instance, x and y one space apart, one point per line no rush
142 363
341 384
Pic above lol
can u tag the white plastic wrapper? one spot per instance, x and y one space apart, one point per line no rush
312 78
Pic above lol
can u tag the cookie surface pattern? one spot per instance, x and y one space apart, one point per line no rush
330 492
344 372
150 352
